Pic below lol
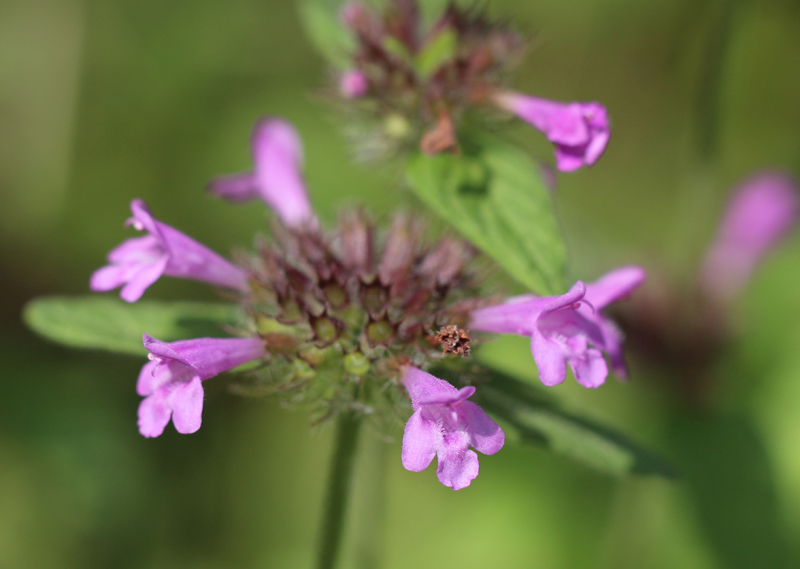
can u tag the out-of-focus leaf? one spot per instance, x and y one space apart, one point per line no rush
397 48
539 420
104 323
436 52
725 466
326 32
493 195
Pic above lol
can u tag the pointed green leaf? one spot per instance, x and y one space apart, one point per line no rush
105 323
441 49
333 41
537 419
493 195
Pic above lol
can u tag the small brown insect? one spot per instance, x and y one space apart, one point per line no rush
454 340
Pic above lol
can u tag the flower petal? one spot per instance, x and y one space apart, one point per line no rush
154 413
187 406
579 131
208 357
148 381
419 442
760 214
143 217
278 157
190 259
614 285
549 358
423 386
486 436
144 249
110 277
457 469
145 276
590 368
448 398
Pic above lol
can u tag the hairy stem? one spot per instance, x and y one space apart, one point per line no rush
341 474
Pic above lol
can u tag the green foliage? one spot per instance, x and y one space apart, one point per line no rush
332 40
436 52
104 323
727 471
539 420
493 195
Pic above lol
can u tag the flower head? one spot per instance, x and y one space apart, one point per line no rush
171 381
567 329
446 425
276 177
760 214
139 262
579 131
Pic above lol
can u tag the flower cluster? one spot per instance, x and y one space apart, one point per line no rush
415 86
347 320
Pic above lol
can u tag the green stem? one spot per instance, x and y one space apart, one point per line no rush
341 474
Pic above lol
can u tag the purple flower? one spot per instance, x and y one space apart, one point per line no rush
171 381
353 84
140 261
759 215
579 130
445 424
567 329
276 177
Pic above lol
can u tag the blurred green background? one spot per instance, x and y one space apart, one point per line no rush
102 101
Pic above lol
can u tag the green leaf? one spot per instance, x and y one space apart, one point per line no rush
537 419
493 195
397 48
111 324
329 36
435 53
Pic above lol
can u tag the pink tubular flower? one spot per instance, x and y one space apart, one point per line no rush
276 177
579 131
445 424
562 328
353 84
139 262
760 214
171 381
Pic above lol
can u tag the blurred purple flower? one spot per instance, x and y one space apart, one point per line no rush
171 381
353 84
562 328
139 262
759 215
276 177
579 131
445 424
